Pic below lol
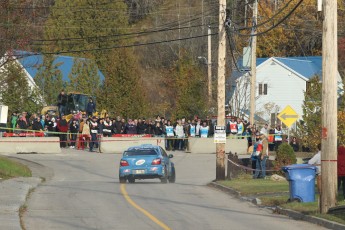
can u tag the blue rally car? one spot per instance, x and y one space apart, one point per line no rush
145 162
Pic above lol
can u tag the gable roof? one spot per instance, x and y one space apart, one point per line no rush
32 61
306 67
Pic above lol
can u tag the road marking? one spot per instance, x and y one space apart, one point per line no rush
146 213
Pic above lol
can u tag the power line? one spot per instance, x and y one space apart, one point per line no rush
278 23
122 46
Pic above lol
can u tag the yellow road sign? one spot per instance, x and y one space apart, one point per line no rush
288 116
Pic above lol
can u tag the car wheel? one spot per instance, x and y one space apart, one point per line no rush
122 180
131 180
172 178
164 180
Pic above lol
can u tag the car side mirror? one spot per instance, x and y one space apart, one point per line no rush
171 156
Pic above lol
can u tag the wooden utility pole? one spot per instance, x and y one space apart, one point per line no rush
253 65
220 147
329 106
209 67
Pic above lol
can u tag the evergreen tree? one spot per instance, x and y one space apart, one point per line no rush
49 79
122 92
15 91
309 129
84 77
95 25
190 85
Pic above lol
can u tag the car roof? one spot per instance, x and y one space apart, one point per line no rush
143 147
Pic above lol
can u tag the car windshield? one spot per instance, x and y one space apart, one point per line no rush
140 152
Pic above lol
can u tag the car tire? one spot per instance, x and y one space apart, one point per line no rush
172 178
122 180
164 180
131 180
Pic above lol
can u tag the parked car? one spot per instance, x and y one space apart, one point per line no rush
146 162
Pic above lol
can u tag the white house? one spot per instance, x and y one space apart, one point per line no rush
279 82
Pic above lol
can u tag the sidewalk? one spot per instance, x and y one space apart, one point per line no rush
292 214
14 192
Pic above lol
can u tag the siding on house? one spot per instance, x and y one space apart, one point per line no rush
284 87
286 80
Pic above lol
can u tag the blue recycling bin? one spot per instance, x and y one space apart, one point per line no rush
301 179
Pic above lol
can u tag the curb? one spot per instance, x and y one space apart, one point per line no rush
312 219
287 212
235 193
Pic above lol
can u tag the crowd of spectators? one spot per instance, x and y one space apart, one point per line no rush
176 132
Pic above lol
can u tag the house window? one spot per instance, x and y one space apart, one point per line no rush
262 89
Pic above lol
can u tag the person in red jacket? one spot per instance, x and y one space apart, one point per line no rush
62 127
341 168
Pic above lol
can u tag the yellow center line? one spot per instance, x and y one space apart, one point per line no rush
146 213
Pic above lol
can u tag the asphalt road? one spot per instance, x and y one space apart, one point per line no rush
84 193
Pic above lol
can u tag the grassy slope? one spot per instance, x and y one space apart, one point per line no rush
10 169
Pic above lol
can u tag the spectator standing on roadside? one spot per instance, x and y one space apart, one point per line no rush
240 128
62 102
74 131
14 119
264 130
294 144
191 129
130 127
316 160
341 168
37 125
204 130
107 127
179 144
119 126
90 108
142 126
93 132
22 124
169 129
278 138
158 129
197 127
62 127
232 126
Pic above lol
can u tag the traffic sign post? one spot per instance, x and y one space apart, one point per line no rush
288 116
219 134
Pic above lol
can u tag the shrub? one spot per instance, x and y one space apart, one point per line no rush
284 156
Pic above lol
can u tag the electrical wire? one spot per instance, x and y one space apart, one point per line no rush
278 23
121 46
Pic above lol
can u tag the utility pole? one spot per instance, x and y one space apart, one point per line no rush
329 106
209 67
253 65
220 147
245 12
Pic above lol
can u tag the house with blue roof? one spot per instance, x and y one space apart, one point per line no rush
280 81
31 62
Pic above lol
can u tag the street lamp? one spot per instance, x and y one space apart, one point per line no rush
209 71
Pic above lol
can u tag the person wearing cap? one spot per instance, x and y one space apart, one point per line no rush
264 154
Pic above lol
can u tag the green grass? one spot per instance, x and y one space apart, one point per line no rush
10 169
270 194
248 186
